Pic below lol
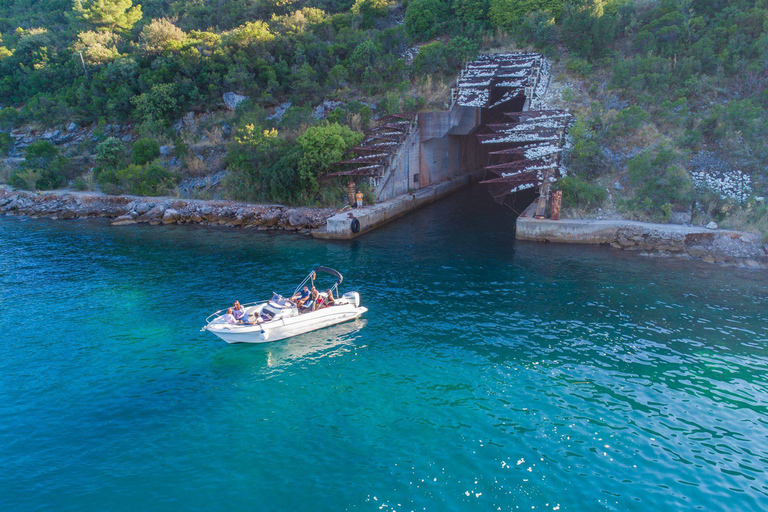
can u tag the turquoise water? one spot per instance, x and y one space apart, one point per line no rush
488 374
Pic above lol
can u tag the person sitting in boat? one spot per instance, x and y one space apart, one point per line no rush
229 318
301 297
326 300
310 304
239 313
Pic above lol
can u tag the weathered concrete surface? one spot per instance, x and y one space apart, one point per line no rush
370 217
127 210
712 246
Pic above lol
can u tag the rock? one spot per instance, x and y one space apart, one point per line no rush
280 111
712 225
166 150
617 185
271 218
142 208
189 119
126 138
232 100
153 216
71 127
298 219
123 220
170 216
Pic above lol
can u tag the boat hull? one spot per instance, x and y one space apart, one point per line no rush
285 328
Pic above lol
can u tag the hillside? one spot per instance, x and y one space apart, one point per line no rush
669 96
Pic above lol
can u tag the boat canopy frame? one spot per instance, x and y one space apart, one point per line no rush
311 277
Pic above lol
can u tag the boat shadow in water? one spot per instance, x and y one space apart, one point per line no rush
305 348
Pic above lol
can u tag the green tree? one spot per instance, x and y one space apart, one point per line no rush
368 10
108 15
424 19
321 146
97 47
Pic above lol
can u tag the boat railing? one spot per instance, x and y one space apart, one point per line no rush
218 314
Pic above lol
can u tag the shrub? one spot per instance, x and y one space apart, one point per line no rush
656 181
146 180
143 180
110 153
161 35
37 179
628 120
6 143
579 193
145 150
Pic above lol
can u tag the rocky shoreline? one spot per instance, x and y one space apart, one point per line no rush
126 210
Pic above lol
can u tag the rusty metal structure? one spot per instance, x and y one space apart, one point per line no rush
377 148
523 146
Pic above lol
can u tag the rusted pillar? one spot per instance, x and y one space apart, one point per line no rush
557 198
351 189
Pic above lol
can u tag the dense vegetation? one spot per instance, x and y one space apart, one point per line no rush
670 95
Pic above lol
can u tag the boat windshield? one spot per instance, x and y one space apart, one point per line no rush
278 301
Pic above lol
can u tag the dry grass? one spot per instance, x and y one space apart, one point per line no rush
195 166
436 91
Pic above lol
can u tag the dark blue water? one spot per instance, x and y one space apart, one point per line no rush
488 374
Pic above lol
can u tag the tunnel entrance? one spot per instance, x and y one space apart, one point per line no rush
490 133
521 146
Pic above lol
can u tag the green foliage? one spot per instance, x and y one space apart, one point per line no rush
6 143
154 107
108 15
161 35
145 150
424 19
441 59
42 169
368 10
321 146
628 120
143 180
110 153
507 14
656 181
587 29
97 47
585 157
580 193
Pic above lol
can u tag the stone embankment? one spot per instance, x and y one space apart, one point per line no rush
710 245
125 210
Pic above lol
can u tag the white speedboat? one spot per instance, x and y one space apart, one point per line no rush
280 317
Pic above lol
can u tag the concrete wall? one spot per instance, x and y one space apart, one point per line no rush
437 150
400 176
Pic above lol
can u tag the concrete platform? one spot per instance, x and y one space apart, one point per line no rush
339 227
590 231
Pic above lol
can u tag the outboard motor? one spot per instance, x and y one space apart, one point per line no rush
353 297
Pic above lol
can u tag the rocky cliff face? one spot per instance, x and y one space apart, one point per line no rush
126 210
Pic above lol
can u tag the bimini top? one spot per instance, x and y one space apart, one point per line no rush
334 273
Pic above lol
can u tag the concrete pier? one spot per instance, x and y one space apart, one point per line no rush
339 226
709 245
